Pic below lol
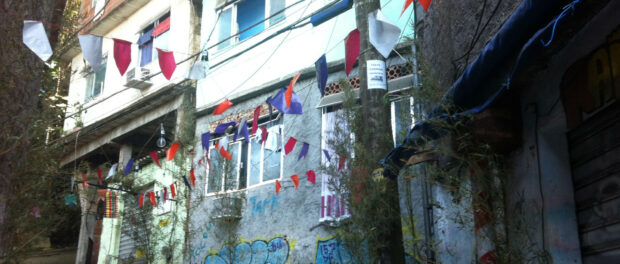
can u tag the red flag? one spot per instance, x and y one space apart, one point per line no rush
255 121
425 4
290 145
288 95
351 49
172 151
172 190
311 176
166 63
84 183
222 107
192 177
152 198
407 4
263 135
278 186
155 157
225 154
122 54
141 200
165 193
341 161
295 179
99 172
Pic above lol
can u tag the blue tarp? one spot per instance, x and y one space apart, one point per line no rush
486 78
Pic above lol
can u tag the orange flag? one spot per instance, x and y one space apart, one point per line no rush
141 200
425 4
172 190
288 96
84 183
295 179
278 186
192 177
172 151
152 198
225 153
222 107
407 4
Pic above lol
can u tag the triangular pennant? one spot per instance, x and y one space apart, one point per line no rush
383 34
321 73
84 183
304 150
289 92
221 128
122 55
129 166
205 138
225 154
222 107
341 161
166 63
352 50
192 177
279 102
327 155
172 151
152 198
112 171
172 191
255 120
186 182
141 200
35 38
263 135
153 155
407 4
290 145
425 4
91 49
311 176
99 175
278 186
295 179
243 130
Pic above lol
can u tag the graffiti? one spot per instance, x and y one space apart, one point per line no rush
259 207
197 251
274 251
331 251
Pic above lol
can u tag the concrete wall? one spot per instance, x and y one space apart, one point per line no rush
115 95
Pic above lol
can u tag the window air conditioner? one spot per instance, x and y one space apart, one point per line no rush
136 78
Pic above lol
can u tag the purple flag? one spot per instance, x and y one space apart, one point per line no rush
128 166
205 140
321 73
221 128
243 128
186 182
327 155
279 103
304 150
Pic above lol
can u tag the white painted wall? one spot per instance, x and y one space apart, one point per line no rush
281 56
180 42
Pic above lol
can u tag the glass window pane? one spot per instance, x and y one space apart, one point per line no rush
224 28
215 172
250 12
99 79
231 167
254 161
243 165
161 42
402 119
90 79
274 7
272 157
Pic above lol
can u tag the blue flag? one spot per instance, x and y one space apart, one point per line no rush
221 128
128 166
279 103
304 151
327 155
321 73
186 182
205 140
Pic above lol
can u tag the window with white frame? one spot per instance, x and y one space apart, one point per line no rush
154 36
98 5
402 118
252 163
247 18
95 82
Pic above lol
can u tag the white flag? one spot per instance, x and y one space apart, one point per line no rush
91 49
383 33
198 70
35 38
112 171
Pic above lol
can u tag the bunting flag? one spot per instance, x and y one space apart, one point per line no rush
311 176
243 128
263 135
172 192
352 50
172 151
186 182
192 177
279 102
288 95
35 38
341 160
198 70
166 63
295 179
128 166
278 186
222 107
221 128
383 34
225 153
205 138
111 206
304 150
99 175
255 120
112 171
327 155
122 55
91 49
141 199
152 198
290 145
407 4
321 73
165 193
84 183
153 155
70 199
425 4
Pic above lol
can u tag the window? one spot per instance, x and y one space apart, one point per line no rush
246 18
252 163
155 35
98 5
402 118
94 82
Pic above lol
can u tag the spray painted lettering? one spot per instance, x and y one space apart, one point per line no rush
274 251
331 251
259 207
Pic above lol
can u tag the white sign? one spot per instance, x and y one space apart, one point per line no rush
376 74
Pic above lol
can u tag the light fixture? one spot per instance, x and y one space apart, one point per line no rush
161 142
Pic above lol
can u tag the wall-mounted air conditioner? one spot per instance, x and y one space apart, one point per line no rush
137 78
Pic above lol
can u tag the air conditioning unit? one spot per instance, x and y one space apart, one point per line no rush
137 78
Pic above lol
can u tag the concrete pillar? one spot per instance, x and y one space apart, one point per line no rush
123 156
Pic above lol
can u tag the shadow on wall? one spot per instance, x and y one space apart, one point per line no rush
274 251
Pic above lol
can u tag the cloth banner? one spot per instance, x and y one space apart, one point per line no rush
222 107
279 102
311 176
382 32
290 145
112 171
146 37
321 73
91 50
155 158
304 150
166 63
351 50
255 120
205 138
99 175
129 166
122 55
111 205
289 91
221 128
35 38
295 180
172 151
161 27
278 186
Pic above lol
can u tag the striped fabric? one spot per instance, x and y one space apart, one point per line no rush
111 206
